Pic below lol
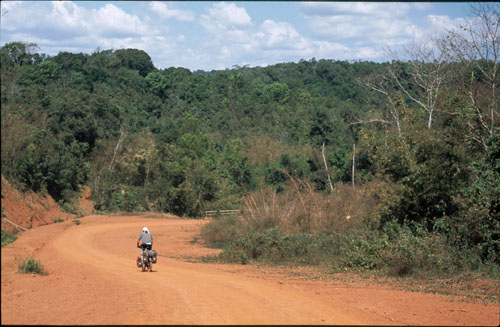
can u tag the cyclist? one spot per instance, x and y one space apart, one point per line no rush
147 240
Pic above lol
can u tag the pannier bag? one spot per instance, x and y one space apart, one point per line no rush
139 262
154 256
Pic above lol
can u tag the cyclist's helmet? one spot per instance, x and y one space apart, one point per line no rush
145 229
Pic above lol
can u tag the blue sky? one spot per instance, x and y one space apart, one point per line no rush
217 35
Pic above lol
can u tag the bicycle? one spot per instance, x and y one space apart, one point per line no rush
146 260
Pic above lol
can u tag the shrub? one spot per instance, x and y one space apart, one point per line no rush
412 250
220 231
359 250
68 207
31 266
234 256
77 222
273 247
7 237
58 220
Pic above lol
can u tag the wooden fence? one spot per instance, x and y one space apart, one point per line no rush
214 213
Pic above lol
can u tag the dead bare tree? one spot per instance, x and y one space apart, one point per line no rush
476 44
100 166
428 70
353 161
123 134
326 167
382 84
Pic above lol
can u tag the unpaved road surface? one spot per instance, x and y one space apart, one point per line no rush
92 279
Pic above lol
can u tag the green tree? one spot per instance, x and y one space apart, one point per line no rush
39 74
136 59
17 53
478 222
158 83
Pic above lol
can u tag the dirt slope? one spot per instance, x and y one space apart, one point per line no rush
27 209
93 280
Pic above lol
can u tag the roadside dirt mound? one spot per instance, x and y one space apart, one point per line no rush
30 210
27 210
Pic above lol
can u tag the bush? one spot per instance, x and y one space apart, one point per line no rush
478 223
222 230
31 266
234 256
265 245
413 255
273 247
359 250
58 220
412 250
7 237
69 207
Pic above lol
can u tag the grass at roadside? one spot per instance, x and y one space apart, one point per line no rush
31 266
7 237
466 287
394 251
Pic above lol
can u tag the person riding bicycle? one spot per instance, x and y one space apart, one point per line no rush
147 240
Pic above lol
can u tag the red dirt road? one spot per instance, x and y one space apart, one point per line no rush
93 280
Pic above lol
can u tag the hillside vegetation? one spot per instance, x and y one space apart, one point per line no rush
388 162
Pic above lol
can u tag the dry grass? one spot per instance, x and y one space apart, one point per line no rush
300 209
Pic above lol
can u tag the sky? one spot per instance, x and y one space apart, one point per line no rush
206 35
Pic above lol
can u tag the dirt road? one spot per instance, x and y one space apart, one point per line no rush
92 279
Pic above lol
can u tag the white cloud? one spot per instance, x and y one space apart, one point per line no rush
164 11
112 21
371 27
63 20
367 53
230 14
227 24
369 21
280 35
225 53
67 15
443 22
364 30
323 49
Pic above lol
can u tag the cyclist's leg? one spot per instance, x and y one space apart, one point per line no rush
143 252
